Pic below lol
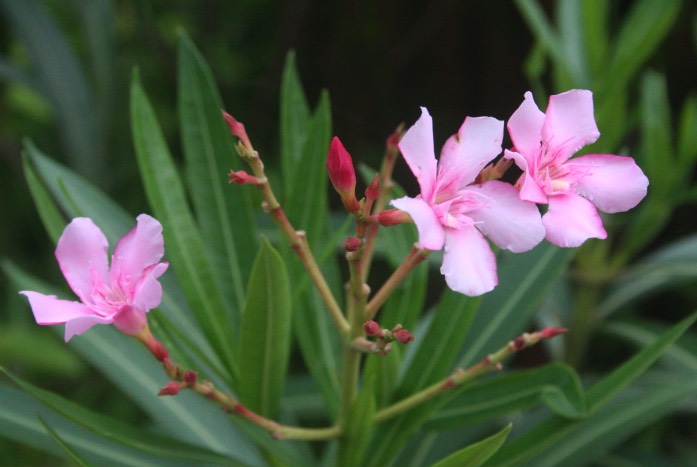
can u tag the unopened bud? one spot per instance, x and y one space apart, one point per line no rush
371 328
373 191
169 389
352 244
190 377
342 174
403 336
237 129
393 217
242 178
549 332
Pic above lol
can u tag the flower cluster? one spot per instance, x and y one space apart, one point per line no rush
461 200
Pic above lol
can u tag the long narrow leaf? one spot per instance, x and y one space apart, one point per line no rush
184 243
477 453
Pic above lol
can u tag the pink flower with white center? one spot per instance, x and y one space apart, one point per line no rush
573 188
118 295
453 212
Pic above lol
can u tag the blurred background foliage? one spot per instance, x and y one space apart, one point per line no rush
64 75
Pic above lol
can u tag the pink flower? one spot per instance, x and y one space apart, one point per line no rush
454 213
342 175
574 188
120 295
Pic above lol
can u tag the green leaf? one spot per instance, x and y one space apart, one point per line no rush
295 115
224 213
48 211
556 385
184 243
117 431
265 337
544 435
67 449
687 136
524 281
62 81
573 45
358 428
646 26
476 454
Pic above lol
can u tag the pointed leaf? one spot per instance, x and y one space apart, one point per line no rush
295 114
69 451
185 247
476 454
265 334
358 428
224 213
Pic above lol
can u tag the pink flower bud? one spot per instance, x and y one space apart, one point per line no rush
352 244
548 333
190 377
403 336
373 191
393 217
342 174
169 389
371 328
242 178
237 129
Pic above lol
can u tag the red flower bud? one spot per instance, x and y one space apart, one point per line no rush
373 191
237 129
393 217
190 377
352 244
342 174
242 178
371 328
548 333
169 389
403 336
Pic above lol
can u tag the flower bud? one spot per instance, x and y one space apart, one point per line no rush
342 174
190 377
403 336
373 191
549 332
352 244
242 178
393 217
169 389
371 328
237 129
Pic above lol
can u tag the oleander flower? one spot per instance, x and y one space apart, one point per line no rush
118 295
574 188
455 213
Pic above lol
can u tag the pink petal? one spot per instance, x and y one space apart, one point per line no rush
529 190
525 127
571 220
466 153
79 325
148 291
569 123
82 257
130 320
509 222
431 235
141 247
469 265
49 310
612 183
417 148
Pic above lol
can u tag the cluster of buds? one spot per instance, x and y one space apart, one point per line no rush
385 337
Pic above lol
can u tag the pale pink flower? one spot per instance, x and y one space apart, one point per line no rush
120 295
574 188
453 212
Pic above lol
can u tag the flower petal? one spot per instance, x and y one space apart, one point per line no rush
431 235
148 291
469 265
525 127
612 183
79 325
569 123
417 148
140 248
509 222
82 257
49 310
529 188
466 153
571 220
